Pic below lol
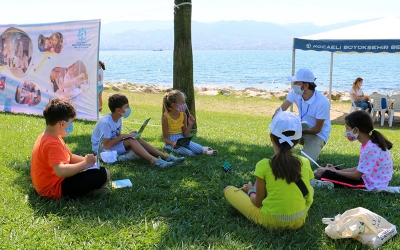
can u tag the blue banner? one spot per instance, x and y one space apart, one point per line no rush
348 46
43 61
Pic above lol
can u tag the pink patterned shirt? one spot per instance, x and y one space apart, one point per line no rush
376 166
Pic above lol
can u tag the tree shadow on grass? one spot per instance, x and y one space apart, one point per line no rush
184 205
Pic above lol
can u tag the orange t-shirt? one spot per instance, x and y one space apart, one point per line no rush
48 152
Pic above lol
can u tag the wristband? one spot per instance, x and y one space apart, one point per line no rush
251 191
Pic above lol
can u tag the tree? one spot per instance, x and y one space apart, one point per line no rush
183 54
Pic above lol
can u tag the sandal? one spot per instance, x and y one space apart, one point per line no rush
163 164
206 149
212 152
172 158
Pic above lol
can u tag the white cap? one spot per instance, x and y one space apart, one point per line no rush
286 121
303 75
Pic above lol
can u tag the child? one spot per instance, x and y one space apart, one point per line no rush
56 42
111 126
283 194
175 124
55 171
375 166
100 86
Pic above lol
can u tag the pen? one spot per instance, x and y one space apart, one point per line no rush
311 159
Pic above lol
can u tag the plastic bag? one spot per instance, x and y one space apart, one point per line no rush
109 156
361 224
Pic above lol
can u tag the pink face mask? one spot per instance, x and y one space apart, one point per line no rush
350 135
182 107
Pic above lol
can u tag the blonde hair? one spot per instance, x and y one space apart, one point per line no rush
170 98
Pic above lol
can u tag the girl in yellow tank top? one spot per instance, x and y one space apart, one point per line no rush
176 124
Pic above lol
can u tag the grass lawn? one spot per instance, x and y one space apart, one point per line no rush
182 207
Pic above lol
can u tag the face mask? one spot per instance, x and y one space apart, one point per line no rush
127 112
182 107
70 128
297 89
350 135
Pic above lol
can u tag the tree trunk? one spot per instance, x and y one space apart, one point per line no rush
183 55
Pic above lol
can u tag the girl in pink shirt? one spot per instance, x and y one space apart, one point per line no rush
375 167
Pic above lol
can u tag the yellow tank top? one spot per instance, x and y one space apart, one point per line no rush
175 126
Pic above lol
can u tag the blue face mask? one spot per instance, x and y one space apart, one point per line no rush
127 112
70 128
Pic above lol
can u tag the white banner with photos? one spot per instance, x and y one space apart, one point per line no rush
43 61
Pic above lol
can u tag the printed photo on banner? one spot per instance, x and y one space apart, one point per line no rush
16 51
53 43
69 82
28 93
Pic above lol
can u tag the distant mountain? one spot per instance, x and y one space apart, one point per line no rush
223 35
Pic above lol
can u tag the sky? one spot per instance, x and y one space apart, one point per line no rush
319 12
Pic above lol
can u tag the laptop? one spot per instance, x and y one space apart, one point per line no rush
99 150
184 142
139 133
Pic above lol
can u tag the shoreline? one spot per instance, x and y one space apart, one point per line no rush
342 96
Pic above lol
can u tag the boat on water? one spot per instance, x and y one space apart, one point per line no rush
157 50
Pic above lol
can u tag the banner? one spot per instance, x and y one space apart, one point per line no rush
43 61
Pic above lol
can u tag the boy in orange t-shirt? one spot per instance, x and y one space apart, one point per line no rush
55 171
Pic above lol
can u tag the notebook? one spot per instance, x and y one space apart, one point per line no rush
99 150
139 133
121 183
183 142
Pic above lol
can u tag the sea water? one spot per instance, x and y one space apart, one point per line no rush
262 69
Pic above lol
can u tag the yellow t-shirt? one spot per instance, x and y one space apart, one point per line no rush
283 198
175 126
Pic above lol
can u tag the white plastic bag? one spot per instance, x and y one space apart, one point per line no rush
109 156
360 224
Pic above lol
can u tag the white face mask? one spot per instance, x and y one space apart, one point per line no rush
350 135
297 89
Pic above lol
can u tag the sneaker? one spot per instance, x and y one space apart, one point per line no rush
172 158
128 156
163 164
101 191
319 183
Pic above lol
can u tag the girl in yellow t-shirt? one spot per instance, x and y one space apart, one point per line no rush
176 124
282 194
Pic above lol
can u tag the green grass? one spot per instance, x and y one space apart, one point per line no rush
182 207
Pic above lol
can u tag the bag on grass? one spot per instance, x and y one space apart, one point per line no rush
361 224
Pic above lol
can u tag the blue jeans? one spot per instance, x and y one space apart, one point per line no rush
363 105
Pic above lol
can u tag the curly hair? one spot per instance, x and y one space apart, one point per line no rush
58 110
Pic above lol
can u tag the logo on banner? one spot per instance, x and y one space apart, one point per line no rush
82 34
308 45
82 42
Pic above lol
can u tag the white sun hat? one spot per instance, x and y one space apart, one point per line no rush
303 75
286 121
